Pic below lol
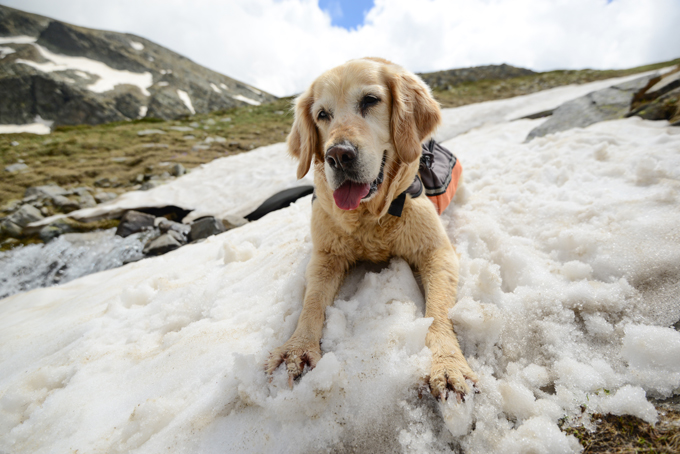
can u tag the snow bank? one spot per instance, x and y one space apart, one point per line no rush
569 284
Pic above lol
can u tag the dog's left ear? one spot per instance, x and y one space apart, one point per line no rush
415 113
303 140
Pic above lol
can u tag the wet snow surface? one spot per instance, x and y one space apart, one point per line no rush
569 287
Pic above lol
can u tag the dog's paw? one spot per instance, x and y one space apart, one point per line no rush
296 354
449 373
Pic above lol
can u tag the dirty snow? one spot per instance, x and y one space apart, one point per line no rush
568 292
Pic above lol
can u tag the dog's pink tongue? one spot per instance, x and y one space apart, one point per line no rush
349 195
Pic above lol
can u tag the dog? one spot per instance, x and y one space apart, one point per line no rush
361 126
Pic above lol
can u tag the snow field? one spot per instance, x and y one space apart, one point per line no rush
568 289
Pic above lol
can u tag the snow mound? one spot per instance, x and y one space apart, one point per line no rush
568 286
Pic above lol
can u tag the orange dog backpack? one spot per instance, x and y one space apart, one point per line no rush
438 176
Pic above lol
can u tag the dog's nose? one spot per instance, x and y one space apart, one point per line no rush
340 156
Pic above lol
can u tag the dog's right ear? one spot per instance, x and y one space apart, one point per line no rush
303 140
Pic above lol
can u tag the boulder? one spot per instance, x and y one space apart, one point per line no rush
65 204
52 231
86 200
47 191
18 167
606 104
102 197
166 226
164 243
205 227
9 228
178 170
133 222
664 107
25 215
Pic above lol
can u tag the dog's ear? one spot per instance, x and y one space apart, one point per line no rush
415 113
303 140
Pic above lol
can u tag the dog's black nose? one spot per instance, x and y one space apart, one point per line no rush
341 156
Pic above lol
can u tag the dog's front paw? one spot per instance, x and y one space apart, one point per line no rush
449 373
296 353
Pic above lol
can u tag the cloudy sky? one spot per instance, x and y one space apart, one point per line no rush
282 45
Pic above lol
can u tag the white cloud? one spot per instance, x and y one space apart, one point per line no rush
281 45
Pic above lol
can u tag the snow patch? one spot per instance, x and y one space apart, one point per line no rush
107 79
215 88
136 45
39 126
184 96
246 100
5 51
17 39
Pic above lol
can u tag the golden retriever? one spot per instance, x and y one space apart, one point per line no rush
361 125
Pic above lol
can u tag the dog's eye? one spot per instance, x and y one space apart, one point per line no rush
322 115
367 102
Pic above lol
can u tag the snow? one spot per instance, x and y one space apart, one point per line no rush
568 289
463 119
107 77
5 51
184 97
215 88
136 45
250 101
17 39
39 126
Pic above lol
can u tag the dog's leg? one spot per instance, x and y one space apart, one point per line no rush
325 273
439 274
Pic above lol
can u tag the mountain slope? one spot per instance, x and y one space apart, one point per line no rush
73 75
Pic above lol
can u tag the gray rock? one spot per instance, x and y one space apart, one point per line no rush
178 170
46 191
666 84
200 147
52 231
181 128
102 197
166 226
9 228
148 132
161 245
150 185
25 215
606 104
87 201
18 167
205 227
65 204
87 237
133 222
102 182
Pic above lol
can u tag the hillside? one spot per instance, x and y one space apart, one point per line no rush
62 74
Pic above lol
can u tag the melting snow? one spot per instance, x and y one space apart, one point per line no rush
247 100
39 126
17 39
215 89
568 289
5 51
136 45
184 96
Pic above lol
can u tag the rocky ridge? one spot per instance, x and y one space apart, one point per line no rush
59 73
444 80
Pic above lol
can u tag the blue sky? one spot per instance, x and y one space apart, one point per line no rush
348 14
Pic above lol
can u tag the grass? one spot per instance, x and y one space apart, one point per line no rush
73 156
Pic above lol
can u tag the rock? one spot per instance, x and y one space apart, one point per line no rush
148 132
52 231
226 119
87 201
606 104
181 128
664 107
200 147
150 185
161 245
87 237
47 191
178 170
102 197
210 122
205 227
133 222
65 204
25 215
165 226
666 84
18 167
9 228
102 182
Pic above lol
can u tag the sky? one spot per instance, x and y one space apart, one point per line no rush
281 45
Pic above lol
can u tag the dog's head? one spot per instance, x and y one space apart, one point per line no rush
362 124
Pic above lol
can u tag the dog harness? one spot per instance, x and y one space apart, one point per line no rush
438 175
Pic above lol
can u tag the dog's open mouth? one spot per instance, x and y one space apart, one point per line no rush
350 193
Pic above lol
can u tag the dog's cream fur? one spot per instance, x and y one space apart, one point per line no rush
405 115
